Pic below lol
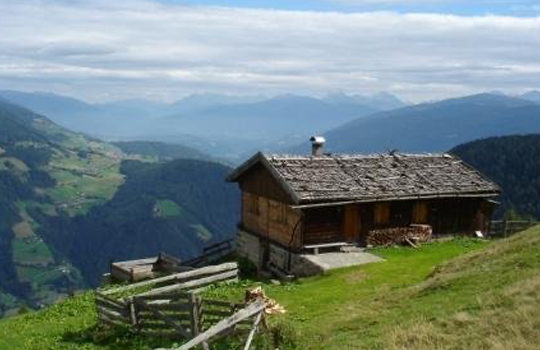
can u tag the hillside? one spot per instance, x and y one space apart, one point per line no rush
160 150
48 170
176 207
427 298
434 127
513 162
64 196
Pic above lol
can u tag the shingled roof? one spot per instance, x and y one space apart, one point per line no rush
366 178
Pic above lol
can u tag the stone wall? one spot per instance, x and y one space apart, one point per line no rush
249 246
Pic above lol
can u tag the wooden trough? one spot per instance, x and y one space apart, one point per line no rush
141 269
137 270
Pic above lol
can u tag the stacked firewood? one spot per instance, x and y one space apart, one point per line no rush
410 235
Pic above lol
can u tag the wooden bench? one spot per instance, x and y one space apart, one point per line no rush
315 247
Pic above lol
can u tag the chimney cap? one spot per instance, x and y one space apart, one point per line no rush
317 140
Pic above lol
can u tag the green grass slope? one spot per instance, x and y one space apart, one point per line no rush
459 294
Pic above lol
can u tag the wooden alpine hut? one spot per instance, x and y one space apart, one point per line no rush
296 205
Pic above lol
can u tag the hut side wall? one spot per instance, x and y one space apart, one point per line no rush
324 225
271 219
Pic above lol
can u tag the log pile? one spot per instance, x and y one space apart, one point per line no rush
399 235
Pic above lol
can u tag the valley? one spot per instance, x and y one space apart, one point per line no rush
56 187
71 202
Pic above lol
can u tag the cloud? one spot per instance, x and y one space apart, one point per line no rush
106 50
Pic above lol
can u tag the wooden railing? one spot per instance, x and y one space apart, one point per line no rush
212 253
505 228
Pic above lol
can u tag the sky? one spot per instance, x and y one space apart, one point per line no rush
166 49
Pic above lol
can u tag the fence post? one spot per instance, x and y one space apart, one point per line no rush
505 228
194 314
134 313
195 317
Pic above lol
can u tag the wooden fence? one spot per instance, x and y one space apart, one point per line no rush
505 228
173 307
212 253
112 312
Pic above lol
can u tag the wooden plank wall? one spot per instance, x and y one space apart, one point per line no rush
351 223
258 181
273 219
323 225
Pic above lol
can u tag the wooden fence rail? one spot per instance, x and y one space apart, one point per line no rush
505 228
212 253
112 312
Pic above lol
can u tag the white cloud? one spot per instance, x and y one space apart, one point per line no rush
126 48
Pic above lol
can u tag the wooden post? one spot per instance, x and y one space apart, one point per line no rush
194 314
253 330
134 313
251 310
194 303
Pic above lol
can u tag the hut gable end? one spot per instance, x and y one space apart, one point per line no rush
258 180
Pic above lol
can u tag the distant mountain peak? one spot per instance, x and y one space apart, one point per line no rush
533 96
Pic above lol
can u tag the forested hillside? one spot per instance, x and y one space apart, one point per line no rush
69 204
513 162
176 207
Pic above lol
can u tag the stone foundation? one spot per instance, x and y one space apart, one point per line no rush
300 265
249 247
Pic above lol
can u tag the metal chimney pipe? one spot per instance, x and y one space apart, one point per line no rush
317 143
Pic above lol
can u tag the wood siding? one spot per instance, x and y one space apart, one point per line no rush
351 223
275 220
381 213
278 222
323 225
258 181
420 212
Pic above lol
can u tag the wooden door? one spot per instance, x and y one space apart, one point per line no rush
351 223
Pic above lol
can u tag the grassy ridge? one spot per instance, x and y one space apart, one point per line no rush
459 294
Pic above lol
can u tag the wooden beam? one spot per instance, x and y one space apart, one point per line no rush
208 270
164 317
252 309
193 283
253 330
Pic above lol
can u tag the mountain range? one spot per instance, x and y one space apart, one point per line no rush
433 127
221 125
